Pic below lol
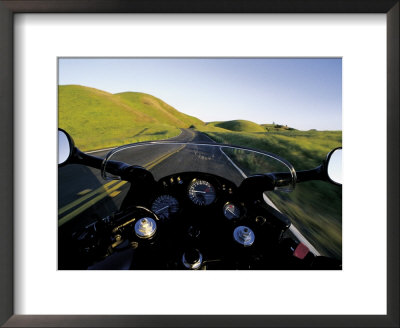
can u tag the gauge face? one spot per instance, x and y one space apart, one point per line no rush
231 211
164 206
201 192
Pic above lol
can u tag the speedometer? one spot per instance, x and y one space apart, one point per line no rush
201 192
164 206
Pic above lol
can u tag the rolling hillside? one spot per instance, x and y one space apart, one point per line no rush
243 126
98 119
157 109
238 126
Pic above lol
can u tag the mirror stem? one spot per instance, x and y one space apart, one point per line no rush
313 174
85 159
113 167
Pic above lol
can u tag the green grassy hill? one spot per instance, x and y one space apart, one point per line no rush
244 126
238 126
98 119
157 109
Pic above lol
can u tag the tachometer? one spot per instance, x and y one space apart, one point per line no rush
164 206
231 211
201 192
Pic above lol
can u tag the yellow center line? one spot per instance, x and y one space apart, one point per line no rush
157 161
90 203
87 196
150 164
115 193
84 192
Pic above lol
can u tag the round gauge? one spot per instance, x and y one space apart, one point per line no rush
231 211
201 192
164 206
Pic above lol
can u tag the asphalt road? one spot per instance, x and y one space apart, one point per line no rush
82 192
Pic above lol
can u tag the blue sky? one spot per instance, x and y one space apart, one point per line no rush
301 93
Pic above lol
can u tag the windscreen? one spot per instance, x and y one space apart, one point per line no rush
230 162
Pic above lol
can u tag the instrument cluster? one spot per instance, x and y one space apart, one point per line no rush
201 192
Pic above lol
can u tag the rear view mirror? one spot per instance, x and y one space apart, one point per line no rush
65 147
334 166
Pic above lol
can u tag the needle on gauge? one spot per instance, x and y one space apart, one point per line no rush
231 211
164 206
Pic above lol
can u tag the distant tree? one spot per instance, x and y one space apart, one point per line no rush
192 127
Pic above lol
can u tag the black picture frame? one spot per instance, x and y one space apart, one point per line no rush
10 7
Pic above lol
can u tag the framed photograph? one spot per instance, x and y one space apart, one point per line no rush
209 231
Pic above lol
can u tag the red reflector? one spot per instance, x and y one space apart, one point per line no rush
301 251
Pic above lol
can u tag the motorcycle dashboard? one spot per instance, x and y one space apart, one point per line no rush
200 190
202 193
